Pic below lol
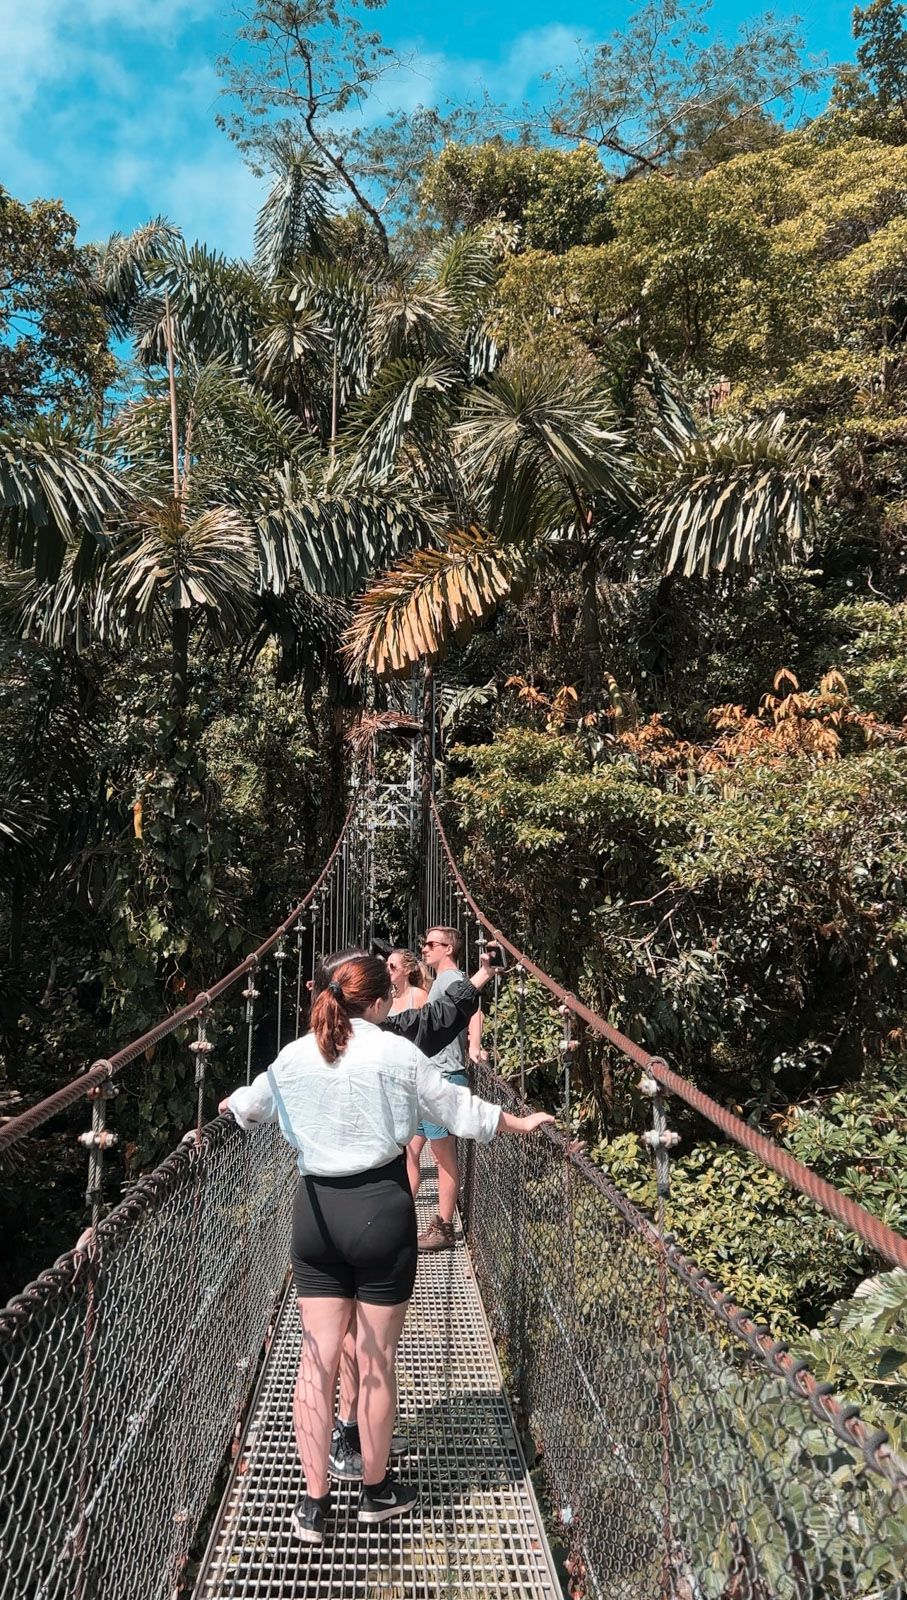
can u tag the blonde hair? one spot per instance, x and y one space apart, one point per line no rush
416 971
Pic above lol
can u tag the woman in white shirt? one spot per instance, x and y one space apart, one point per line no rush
349 1098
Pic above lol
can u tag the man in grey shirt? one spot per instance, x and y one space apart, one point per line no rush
441 949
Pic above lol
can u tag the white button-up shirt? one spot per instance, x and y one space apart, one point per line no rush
361 1111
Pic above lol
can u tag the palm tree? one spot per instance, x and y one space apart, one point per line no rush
555 476
59 494
296 218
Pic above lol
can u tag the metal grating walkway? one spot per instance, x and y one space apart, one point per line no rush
478 1531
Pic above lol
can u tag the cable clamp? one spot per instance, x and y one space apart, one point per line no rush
103 1091
98 1139
668 1140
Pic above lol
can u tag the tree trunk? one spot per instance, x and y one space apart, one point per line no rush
592 642
179 690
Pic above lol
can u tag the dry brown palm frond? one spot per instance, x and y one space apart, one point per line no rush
414 610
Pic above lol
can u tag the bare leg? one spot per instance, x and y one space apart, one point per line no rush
413 1153
349 1373
445 1154
379 1329
324 1323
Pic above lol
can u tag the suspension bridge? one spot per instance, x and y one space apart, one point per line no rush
683 1453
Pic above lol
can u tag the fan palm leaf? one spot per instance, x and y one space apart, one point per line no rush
742 499
294 218
56 493
415 608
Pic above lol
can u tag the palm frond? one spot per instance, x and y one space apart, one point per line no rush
118 269
465 266
56 493
676 423
414 609
292 337
330 542
217 307
408 397
340 298
743 499
63 615
167 565
420 320
293 220
540 413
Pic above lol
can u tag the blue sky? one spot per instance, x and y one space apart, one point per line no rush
110 104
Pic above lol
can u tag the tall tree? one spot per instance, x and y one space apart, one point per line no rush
308 64
53 335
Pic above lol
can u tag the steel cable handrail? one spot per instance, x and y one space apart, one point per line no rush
107 1067
877 1234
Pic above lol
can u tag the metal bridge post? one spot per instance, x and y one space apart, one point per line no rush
250 995
98 1139
571 1515
298 975
280 956
661 1141
201 1047
521 1026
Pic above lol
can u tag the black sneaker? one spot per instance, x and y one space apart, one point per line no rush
399 1445
343 1461
392 1499
309 1518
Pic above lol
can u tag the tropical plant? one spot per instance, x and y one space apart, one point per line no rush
553 476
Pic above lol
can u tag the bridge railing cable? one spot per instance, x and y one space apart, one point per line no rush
871 1229
125 1368
688 1455
101 1071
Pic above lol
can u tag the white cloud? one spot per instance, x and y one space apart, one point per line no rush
110 104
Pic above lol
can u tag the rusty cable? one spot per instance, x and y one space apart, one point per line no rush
774 1354
19 1127
877 1234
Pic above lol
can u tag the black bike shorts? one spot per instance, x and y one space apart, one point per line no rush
354 1238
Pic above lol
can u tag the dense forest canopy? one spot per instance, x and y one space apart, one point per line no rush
601 414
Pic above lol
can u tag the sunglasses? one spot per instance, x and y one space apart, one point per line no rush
428 943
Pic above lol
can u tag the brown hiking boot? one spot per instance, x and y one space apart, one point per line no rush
439 1235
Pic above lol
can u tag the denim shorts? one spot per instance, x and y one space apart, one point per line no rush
431 1130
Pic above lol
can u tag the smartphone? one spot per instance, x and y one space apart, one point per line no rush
497 955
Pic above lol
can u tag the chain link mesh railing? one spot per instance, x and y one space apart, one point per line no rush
688 1456
125 1368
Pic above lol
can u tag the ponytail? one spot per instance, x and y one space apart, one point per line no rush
354 986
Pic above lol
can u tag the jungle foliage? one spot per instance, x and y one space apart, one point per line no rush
605 418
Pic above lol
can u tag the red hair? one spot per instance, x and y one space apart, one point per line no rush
353 987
